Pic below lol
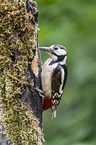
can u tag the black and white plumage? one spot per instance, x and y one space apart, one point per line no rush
53 76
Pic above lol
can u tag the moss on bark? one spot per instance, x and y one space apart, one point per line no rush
17 50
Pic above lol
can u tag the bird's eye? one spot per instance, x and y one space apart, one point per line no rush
55 48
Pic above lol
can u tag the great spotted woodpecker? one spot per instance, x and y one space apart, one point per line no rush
53 76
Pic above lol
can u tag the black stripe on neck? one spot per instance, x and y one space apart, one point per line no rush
59 59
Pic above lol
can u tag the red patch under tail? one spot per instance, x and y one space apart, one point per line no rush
46 103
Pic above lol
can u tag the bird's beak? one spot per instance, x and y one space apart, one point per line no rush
47 49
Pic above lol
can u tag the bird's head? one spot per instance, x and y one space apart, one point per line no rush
56 52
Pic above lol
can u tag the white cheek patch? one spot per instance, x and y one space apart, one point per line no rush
60 52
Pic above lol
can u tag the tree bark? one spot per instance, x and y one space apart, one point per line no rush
34 67
13 59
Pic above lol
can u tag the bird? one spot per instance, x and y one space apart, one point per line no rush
54 76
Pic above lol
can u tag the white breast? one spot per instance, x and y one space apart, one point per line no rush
46 77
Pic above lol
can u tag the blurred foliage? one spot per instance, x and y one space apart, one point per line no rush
72 23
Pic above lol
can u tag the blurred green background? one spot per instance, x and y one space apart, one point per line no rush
72 23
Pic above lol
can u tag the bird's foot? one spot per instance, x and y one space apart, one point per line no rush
41 93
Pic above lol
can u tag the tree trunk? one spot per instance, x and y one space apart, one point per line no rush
34 67
20 73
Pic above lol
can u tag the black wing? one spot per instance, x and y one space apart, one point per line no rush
56 79
56 82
